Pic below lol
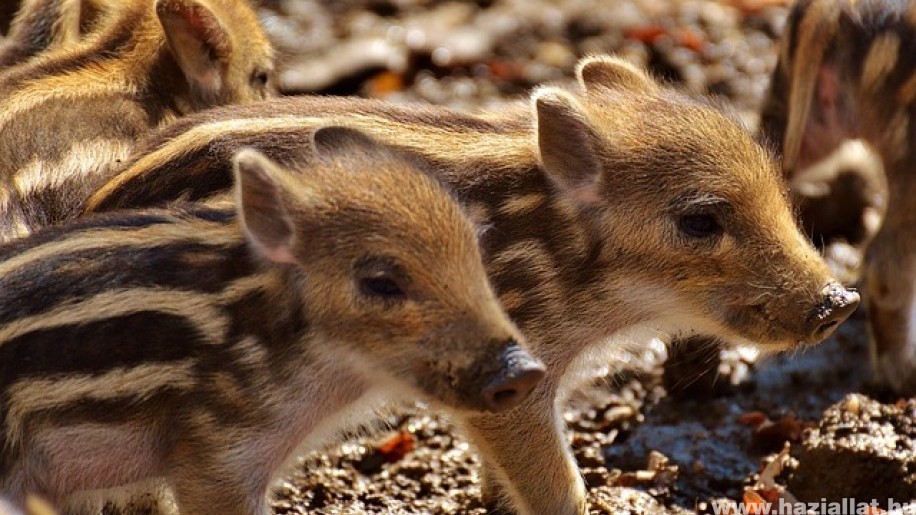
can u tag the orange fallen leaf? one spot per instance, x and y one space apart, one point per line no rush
505 70
646 33
771 495
753 419
754 503
384 84
396 447
691 39
772 435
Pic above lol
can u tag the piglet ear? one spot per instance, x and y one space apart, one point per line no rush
263 195
332 140
566 144
198 41
603 71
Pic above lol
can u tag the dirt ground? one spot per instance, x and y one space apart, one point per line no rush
648 440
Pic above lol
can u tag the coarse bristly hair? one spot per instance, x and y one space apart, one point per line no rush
615 213
71 114
204 346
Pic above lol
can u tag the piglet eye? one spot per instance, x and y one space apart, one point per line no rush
699 225
381 279
260 78
381 287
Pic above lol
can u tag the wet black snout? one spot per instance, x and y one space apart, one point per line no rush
837 303
519 374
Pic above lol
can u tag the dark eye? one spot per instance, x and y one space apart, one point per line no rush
382 287
260 78
699 225
381 279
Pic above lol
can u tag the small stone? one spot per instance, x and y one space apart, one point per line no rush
595 477
590 457
619 413
555 54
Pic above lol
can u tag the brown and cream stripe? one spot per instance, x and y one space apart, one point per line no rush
69 117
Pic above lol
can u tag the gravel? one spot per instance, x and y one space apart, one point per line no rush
861 449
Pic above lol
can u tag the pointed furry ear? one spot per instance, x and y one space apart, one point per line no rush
566 144
262 190
334 139
199 42
604 71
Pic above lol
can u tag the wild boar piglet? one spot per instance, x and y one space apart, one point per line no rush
70 116
204 344
847 70
42 25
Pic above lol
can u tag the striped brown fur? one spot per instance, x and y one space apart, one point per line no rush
41 25
619 212
69 116
203 348
848 70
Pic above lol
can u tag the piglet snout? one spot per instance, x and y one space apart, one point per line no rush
519 373
837 303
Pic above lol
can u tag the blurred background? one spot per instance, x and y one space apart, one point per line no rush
484 53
